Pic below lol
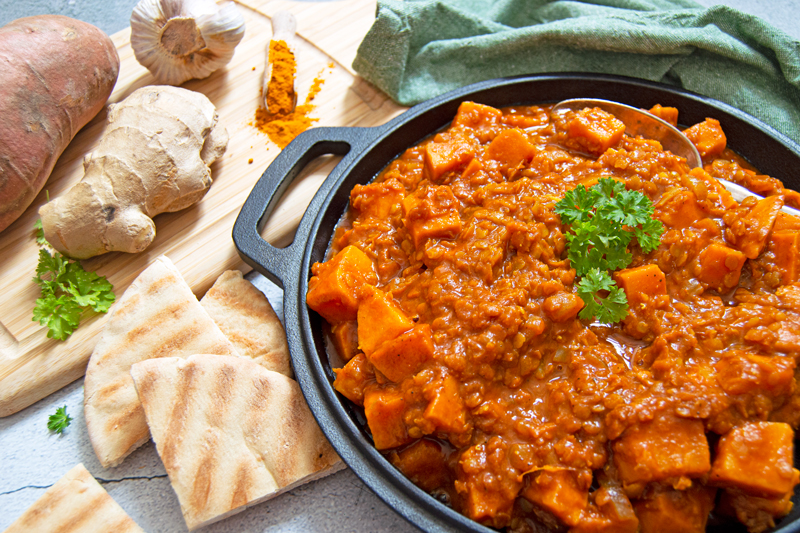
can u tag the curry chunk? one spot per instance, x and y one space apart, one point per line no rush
403 356
785 246
431 212
476 115
353 377
610 511
678 208
378 200
668 510
446 409
720 266
667 114
384 410
345 338
662 449
445 155
510 148
562 306
595 130
707 137
750 233
563 492
756 458
758 514
424 463
379 320
335 288
642 285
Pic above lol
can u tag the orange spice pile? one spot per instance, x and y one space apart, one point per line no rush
284 124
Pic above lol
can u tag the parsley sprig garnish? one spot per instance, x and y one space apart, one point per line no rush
603 220
67 291
59 421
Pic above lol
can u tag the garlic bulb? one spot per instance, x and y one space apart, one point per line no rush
178 40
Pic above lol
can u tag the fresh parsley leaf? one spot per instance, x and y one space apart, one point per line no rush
67 291
59 421
39 231
610 308
603 220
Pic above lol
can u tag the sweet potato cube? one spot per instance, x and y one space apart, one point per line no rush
720 266
384 410
758 224
380 320
756 458
758 514
609 512
678 208
708 137
423 463
642 284
667 114
710 193
473 167
595 130
786 222
785 246
475 115
431 213
379 199
663 448
344 336
675 510
335 289
353 377
510 148
403 356
446 410
441 157
561 491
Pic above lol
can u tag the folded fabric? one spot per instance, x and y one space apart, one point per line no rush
418 49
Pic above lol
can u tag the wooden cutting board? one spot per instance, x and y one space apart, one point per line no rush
197 239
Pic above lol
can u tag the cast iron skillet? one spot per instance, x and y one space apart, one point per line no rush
368 150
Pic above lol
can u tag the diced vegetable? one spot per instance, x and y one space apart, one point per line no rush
785 246
667 114
596 130
475 115
378 200
563 492
336 286
353 377
670 510
510 148
384 411
720 266
562 306
431 213
423 463
678 208
380 320
441 157
754 228
708 137
403 356
663 448
756 458
446 410
345 338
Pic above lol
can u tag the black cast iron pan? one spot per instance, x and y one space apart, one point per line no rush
366 152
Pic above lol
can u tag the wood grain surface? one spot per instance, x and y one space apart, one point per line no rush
197 239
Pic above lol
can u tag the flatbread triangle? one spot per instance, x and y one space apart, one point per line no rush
76 503
157 316
229 432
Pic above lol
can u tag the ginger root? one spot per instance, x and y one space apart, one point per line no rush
153 158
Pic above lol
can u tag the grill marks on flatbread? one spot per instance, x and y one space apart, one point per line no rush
76 503
158 316
229 432
245 316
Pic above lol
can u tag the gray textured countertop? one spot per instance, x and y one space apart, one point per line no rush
32 459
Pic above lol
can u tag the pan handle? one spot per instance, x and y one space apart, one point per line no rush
281 264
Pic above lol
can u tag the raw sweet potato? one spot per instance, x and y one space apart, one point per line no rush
57 74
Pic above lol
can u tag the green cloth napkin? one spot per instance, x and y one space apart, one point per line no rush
418 49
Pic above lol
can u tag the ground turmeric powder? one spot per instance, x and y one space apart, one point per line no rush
284 124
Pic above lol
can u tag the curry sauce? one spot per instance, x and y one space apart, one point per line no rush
450 297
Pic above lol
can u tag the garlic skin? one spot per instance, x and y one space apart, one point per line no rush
179 40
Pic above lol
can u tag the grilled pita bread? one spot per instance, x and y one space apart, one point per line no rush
229 432
157 316
76 503
245 316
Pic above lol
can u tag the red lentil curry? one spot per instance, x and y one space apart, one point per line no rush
450 297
